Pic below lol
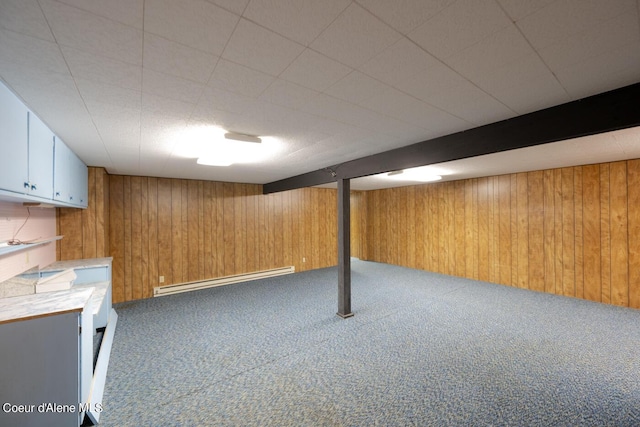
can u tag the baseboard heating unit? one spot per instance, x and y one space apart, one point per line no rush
220 281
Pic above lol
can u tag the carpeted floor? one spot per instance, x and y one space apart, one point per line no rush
422 350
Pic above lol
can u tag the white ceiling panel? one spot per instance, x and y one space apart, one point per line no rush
18 50
100 69
616 68
235 6
194 23
315 71
618 31
405 15
355 37
356 88
128 12
498 50
92 33
399 62
459 26
261 49
300 20
239 79
26 17
121 81
171 87
518 9
169 57
566 18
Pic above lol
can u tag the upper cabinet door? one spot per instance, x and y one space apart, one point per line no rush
14 172
61 172
40 158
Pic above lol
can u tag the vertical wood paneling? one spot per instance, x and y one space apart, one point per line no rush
549 232
571 231
505 255
578 238
568 230
591 232
535 226
116 241
153 253
605 234
619 234
633 197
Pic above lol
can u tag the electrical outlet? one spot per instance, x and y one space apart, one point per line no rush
304 259
161 279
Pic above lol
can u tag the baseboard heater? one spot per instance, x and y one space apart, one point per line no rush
220 281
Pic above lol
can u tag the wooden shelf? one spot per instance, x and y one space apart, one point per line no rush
6 249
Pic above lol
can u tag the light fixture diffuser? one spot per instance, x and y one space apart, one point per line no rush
242 137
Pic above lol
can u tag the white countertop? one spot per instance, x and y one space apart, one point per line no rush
45 304
78 263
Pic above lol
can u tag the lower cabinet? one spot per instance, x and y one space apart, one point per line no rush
46 368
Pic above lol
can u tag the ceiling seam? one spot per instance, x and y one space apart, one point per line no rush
517 27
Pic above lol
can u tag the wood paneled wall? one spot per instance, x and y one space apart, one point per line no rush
187 230
86 231
573 231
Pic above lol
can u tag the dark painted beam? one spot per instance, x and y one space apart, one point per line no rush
344 248
609 111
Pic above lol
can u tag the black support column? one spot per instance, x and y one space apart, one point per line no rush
344 248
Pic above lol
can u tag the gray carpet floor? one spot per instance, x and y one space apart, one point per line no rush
423 349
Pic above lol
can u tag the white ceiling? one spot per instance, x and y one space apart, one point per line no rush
330 80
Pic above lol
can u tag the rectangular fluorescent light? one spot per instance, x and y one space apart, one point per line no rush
242 137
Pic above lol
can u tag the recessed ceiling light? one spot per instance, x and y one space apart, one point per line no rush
213 160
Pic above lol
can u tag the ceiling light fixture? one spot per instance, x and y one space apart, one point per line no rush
242 137
415 174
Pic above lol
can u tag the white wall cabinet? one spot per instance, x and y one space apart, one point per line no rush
35 164
14 170
70 176
40 149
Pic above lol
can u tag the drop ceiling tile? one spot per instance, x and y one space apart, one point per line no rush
169 57
355 37
102 69
235 6
432 80
166 107
399 62
518 9
261 49
19 50
217 104
564 18
471 104
25 17
614 69
301 20
239 79
92 92
356 88
195 23
315 71
596 40
498 50
171 87
128 12
287 94
405 15
459 26
396 104
92 33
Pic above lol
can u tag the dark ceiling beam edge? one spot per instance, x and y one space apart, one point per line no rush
605 112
